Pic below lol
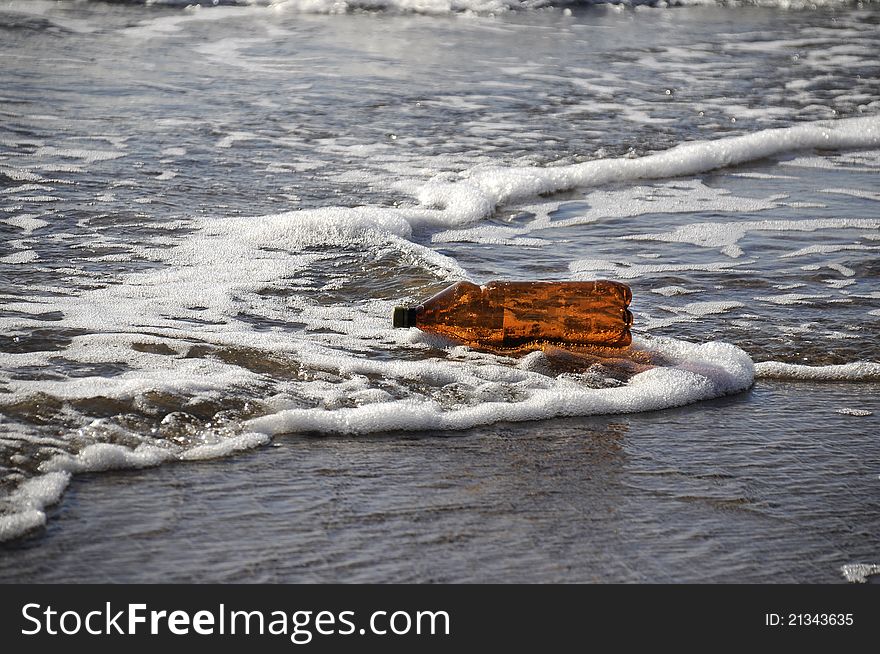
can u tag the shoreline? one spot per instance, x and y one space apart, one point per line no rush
750 493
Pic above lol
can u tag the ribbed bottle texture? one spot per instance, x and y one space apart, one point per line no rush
512 315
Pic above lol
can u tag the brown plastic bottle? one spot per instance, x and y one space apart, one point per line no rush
514 315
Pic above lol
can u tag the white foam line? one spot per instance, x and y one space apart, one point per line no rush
790 298
702 372
225 447
856 371
27 222
585 268
482 189
107 456
332 226
88 156
202 377
690 312
827 249
859 413
472 8
32 497
23 256
30 500
668 291
727 235
858 573
856 193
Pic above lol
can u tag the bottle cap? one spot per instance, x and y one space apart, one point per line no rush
404 316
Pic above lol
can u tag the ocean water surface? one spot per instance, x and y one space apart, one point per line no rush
209 212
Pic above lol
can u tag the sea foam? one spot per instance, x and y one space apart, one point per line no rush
855 371
31 498
699 372
223 268
481 190
29 501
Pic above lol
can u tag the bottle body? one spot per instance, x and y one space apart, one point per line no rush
513 315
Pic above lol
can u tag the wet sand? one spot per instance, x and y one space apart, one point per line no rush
772 485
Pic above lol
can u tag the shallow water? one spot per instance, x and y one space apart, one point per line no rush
209 213
728 491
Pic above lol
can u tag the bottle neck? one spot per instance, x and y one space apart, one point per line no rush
405 316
